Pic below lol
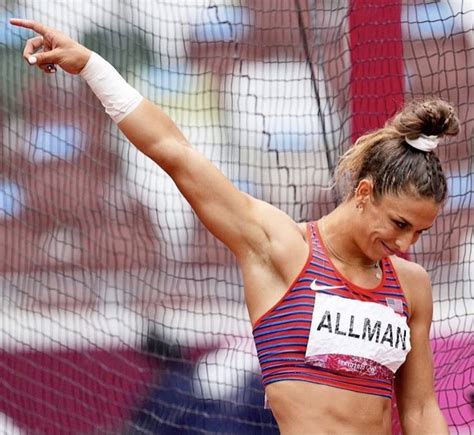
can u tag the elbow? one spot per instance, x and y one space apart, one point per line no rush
425 419
169 154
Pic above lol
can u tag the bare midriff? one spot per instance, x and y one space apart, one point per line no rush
305 408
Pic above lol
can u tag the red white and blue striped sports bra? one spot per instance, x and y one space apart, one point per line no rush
356 337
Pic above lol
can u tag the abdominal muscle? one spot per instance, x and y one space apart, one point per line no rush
304 408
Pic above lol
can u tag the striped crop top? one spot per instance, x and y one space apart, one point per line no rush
328 331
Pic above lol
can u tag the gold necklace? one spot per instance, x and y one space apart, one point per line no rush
333 252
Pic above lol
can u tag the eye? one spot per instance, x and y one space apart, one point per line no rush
400 224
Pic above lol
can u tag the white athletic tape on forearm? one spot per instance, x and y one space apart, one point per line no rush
116 95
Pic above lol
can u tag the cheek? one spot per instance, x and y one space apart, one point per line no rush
379 226
385 230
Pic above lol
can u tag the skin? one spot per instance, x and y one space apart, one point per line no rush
271 250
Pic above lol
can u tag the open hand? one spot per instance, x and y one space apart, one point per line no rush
51 48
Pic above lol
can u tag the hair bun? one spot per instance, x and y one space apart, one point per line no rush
433 117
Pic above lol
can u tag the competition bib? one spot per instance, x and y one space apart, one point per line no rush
352 336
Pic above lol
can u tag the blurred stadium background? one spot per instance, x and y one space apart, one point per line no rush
119 313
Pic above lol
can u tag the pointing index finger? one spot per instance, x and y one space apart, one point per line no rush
30 24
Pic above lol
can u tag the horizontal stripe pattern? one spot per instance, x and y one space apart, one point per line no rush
281 334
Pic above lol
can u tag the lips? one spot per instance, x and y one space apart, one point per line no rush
389 250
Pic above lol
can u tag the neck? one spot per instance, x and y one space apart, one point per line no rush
338 229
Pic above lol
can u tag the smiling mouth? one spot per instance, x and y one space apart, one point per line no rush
390 251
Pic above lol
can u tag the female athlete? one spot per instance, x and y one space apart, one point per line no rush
340 321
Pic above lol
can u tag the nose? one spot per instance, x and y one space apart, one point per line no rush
404 241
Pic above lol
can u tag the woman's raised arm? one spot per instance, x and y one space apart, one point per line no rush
232 216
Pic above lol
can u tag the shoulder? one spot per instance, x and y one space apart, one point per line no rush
415 282
410 272
276 222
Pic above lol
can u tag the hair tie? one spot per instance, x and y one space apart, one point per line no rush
423 142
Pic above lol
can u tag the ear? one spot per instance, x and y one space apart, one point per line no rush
364 191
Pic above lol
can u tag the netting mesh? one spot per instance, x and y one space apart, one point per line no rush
120 313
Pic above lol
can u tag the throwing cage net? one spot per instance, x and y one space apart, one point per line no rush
119 312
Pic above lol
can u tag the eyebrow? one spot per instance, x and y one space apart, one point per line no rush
411 225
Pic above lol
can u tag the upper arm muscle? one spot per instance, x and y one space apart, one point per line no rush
232 216
419 410
229 214
418 368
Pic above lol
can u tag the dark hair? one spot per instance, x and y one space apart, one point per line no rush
392 164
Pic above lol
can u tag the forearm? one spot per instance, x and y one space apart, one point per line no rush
154 133
220 206
144 123
424 420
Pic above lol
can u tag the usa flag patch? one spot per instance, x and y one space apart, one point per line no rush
395 304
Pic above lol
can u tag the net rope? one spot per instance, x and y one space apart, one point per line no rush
120 313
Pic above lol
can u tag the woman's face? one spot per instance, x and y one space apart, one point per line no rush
395 222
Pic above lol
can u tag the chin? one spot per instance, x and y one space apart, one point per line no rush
387 251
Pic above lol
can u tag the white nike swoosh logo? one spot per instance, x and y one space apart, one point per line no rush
315 286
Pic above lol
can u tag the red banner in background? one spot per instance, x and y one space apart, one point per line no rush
376 49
